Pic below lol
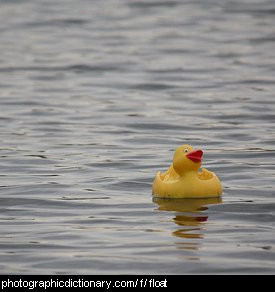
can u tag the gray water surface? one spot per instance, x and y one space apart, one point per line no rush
94 98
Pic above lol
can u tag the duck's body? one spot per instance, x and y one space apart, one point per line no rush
182 179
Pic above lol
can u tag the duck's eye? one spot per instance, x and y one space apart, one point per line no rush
185 150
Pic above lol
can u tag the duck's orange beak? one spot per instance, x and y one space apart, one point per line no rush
195 155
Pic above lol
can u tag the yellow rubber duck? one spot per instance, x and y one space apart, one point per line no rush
183 179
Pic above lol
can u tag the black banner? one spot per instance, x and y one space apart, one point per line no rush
82 282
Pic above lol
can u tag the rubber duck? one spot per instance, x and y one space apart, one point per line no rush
183 178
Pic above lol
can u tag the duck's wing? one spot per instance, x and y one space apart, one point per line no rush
205 174
170 174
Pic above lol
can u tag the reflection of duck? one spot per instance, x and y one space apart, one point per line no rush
185 205
189 214
182 179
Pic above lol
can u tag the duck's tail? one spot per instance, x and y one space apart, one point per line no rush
158 180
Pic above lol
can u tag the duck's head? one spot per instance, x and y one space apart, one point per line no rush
187 159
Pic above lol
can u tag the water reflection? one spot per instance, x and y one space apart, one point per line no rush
190 216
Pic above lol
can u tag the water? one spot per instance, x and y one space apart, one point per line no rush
94 98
